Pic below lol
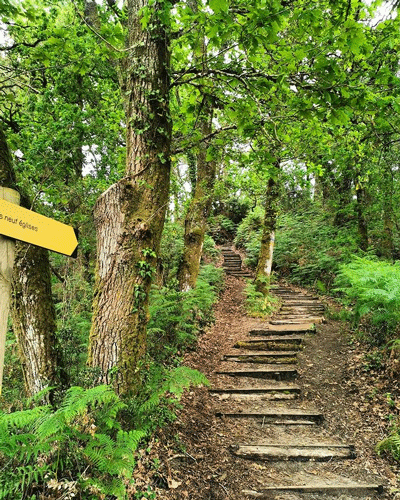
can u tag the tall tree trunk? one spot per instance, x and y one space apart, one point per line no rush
264 264
129 216
388 215
344 198
199 209
33 315
202 180
361 220
33 318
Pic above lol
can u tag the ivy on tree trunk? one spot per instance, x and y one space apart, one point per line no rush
129 216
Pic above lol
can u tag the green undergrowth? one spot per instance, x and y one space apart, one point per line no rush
85 448
371 288
258 304
84 445
308 247
176 318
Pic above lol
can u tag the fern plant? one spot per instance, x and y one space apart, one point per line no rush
372 287
391 444
81 445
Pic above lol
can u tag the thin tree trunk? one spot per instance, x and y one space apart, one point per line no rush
129 216
199 209
265 256
202 180
32 310
361 220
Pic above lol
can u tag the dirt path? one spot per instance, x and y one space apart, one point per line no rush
306 404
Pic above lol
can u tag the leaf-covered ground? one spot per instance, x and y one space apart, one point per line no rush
190 458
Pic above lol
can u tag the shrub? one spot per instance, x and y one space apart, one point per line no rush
373 288
177 317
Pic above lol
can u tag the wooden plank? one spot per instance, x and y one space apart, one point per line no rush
260 357
339 488
302 453
282 415
266 389
265 354
267 345
295 321
272 373
287 331
7 254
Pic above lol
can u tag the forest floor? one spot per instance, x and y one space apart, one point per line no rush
191 459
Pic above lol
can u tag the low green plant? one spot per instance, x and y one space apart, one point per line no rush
86 447
259 305
177 317
372 287
78 448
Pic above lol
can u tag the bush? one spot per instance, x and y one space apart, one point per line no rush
259 305
177 317
373 288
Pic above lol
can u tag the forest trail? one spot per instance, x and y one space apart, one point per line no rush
281 418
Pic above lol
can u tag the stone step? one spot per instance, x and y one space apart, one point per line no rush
338 488
302 453
277 416
262 358
266 389
264 373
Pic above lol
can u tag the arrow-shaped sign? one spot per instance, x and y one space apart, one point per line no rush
23 224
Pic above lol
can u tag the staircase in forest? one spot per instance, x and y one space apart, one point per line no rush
233 263
256 388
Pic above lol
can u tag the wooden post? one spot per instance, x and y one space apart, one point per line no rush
7 252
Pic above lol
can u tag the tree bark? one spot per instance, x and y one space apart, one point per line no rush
32 309
129 216
33 318
199 209
265 256
202 180
361 220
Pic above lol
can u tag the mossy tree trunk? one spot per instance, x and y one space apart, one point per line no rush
129 216
388 215
199 208
33 318
202 174
265 256
361 219
32 309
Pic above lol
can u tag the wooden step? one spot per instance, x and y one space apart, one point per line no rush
277 416
302 453
334 489
264 373
292 339
297 302
263 354
262 357
266 389
296 321
290 330
268 345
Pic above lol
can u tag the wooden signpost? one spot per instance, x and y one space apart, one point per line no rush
18 223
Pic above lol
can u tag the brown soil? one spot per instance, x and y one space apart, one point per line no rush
191 458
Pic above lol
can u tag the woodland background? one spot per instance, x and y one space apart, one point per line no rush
162 130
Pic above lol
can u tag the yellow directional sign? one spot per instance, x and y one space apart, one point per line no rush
23 224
